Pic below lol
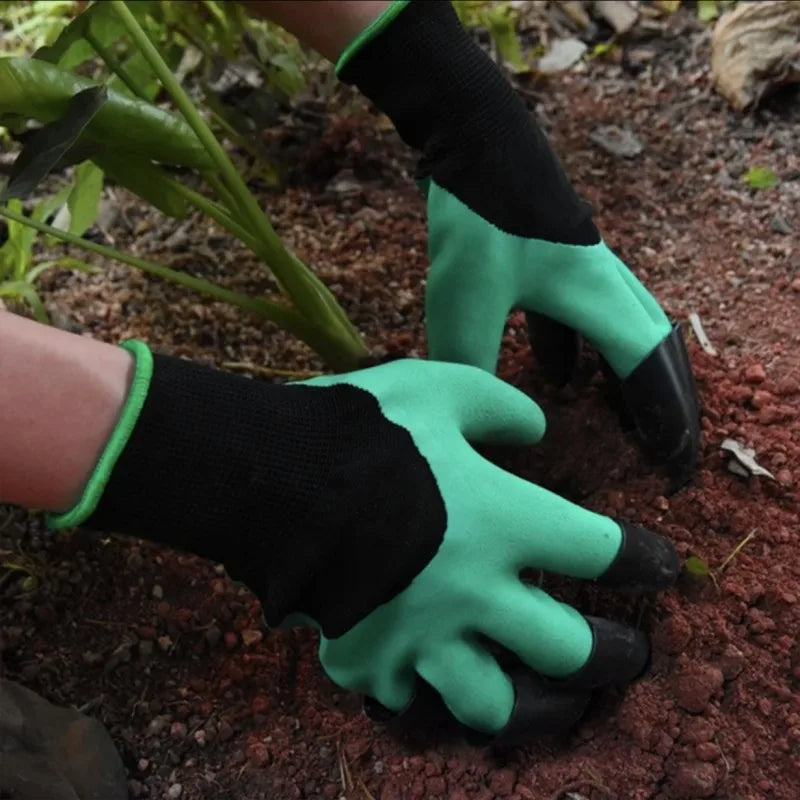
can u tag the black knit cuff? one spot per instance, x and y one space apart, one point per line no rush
449 100
308 495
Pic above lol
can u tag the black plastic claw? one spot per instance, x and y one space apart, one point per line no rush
619 655
541 708
646 562
556 346
662 400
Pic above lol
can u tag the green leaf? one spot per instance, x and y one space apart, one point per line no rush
150 182
74 45
47 146
697 567
41 91
760 178
84 199
137 68
501 21
15 254
22 290
67 262
707 10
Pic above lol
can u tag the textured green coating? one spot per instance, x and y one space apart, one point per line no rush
479 273
497 525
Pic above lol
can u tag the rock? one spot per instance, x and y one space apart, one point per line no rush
694 688
761 399
707 751
697 730
617 141
694 779
213 636
562 55
178 730
52 752
779 224
158 592
621 16
731 663
754 49
755 374
174 791
502 782
251 637
796 285
258 754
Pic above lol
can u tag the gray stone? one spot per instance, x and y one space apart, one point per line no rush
58 753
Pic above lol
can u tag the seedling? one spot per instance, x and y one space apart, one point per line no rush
698 567
759 178
18 273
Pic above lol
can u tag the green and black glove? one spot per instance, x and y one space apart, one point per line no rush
506 228
357 505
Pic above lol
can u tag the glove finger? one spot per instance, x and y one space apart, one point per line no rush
552 638
581 543
546 531
466 305
473 687
464 327
557 641
645 298
591 296
484 408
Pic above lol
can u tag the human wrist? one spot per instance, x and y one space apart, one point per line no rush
61 396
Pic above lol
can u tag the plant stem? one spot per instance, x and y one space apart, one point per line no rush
215 211
113 64
309 295
333 349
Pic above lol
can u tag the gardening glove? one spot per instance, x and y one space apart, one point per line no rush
355 504
506 229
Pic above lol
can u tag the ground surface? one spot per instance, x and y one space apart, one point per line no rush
168 653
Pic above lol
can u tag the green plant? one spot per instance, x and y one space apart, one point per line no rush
500 20
707 10
121 133
698 567
760 178
18 273
32 24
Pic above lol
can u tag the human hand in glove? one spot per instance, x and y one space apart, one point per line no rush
507 230
356 504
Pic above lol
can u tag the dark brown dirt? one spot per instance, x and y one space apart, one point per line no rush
168 653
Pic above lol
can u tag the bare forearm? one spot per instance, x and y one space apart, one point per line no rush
326 25
60 397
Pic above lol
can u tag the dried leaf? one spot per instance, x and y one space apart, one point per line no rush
562 55
699 332
745 459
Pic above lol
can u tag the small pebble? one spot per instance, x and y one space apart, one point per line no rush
251 637
174 791
158 593
694 779
755 374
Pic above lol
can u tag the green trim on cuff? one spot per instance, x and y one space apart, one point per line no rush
370 32
140 385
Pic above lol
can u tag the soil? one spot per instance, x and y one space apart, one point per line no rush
168 653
